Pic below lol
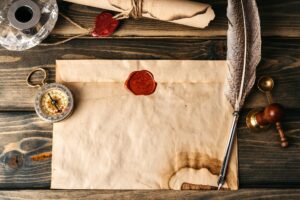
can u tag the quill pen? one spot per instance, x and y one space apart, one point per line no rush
243 55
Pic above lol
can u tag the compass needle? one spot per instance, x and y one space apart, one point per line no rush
54 103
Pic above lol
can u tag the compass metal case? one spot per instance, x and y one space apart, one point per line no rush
46 109
54 102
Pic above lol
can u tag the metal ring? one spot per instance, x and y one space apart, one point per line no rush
30 84
31 6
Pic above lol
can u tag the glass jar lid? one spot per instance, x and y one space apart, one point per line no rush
26 23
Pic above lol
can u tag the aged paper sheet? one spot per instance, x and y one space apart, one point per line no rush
171 139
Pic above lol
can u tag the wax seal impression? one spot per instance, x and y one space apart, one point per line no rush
141 83
105 25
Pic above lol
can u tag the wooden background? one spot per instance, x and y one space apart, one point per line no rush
25 161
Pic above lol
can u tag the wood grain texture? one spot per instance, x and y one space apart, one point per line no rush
276 17
268 194
26 153
23 137
25 143
262 160
280 59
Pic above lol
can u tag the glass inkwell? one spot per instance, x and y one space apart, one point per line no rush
26 23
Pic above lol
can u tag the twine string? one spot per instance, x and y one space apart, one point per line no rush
87 32
136 11
74 23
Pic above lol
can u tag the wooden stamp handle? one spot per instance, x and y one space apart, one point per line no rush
284 142
273 114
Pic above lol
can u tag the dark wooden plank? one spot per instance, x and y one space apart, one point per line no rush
24 141
274 194
280 59
262 161
26 146
276 17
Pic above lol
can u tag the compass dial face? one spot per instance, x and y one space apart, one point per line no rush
54 102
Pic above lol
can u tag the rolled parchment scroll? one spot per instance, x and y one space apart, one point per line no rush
185 12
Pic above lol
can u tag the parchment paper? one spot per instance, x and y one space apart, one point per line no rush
168 140
185 12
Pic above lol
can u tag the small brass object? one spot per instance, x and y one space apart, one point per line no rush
252 122
266 84
261 118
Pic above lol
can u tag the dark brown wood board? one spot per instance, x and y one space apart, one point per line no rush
26 140
257 194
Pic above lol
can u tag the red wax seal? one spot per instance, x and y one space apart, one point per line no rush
141 83
105 25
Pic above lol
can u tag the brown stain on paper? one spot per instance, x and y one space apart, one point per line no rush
198 161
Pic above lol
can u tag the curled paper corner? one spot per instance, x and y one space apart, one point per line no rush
210 15
199 19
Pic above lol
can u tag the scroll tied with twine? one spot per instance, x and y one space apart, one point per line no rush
185 12
135 12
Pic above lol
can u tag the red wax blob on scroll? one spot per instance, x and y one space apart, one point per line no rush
141 83
105 25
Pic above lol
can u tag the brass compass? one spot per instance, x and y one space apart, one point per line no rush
54 102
